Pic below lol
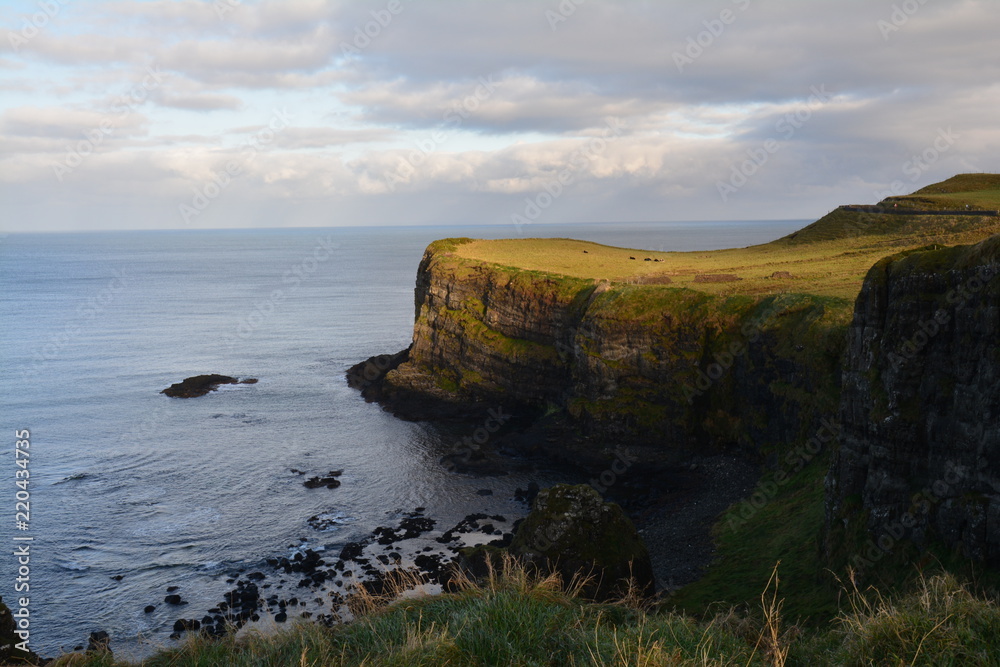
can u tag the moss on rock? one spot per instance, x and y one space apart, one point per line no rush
571 530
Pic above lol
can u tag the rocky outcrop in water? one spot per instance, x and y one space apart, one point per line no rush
199 385
919 458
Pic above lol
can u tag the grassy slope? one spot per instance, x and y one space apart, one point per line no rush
827 258
978 191
516 620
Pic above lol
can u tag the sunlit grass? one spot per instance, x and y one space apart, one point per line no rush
829 264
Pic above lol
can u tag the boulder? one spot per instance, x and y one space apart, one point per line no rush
571 530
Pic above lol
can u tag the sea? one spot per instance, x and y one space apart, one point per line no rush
130 492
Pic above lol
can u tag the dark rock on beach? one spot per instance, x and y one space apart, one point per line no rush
199 385
571 530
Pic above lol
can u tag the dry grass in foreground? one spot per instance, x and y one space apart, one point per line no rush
515 618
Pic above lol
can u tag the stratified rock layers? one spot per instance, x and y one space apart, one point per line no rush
666 370
920 414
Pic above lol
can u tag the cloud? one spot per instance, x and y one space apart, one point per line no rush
453 111
202 102
59 123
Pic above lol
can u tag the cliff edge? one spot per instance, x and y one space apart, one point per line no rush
666 370
919 458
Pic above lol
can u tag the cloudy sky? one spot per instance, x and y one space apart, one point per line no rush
230 113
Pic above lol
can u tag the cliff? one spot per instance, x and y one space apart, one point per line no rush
665 369
919 458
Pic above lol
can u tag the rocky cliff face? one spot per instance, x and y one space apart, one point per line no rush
920 414
667 370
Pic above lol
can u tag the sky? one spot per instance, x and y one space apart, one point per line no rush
198 114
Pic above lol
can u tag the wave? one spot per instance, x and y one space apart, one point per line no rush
72 478
71 565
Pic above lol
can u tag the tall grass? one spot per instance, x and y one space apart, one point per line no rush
514 617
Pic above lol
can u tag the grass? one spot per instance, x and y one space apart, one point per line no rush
515 618
827 258
778 522
978 191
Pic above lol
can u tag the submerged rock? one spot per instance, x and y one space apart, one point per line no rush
199 385
329 480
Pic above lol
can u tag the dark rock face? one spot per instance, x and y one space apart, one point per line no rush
920 447
666 371
9 653
199 385
572 530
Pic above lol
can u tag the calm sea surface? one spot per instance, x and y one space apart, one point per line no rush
126 482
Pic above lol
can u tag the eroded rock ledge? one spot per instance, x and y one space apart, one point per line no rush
199 385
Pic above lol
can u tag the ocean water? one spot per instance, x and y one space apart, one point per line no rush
132 492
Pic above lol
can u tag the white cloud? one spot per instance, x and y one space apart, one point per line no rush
406 130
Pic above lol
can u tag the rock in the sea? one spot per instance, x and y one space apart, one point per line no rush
329 480
199 385
572 530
